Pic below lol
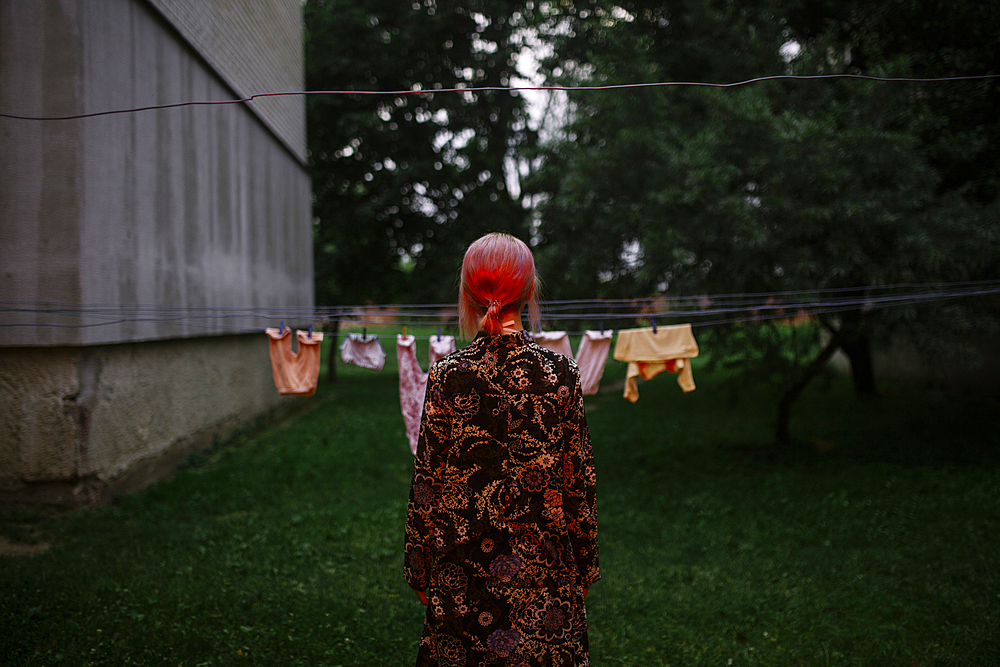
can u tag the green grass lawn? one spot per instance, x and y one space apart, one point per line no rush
875 544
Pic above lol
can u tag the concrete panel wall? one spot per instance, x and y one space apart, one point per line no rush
256 47
40 167
80 423
190 207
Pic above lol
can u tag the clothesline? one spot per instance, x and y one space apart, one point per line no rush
753 296
703 310
480 89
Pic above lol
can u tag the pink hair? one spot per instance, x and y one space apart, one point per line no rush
498 276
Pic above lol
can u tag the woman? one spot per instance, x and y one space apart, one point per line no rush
501 529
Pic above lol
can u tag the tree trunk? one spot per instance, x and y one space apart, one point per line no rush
858 349
782 436
331 361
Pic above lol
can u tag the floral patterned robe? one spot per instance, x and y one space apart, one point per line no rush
501 529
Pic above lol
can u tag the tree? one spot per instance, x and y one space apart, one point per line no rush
765 188
402 183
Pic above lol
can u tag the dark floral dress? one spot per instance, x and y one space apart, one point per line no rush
501 529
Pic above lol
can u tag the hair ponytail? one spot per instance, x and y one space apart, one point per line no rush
498 273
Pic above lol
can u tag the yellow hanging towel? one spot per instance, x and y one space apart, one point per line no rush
648 354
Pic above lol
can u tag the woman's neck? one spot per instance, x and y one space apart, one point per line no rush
511 321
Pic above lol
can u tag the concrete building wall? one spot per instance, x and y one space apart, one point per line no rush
256 47
189 208
78 424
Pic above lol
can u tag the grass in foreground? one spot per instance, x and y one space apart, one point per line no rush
876 545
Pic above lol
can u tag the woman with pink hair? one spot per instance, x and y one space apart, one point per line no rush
501 526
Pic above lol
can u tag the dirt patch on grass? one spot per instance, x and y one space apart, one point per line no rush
8 548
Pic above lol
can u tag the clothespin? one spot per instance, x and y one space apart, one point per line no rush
281 327
310 331
601 324
653 322
364 334
404 331
439 334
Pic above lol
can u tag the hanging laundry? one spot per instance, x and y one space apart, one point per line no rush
591 355
413 381
412 385
363 350
557 341
294 374
441 346
648 354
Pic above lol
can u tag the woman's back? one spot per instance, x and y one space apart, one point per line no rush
501 527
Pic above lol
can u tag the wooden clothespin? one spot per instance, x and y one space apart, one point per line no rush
404 331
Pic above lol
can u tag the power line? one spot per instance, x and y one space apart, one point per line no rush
480 89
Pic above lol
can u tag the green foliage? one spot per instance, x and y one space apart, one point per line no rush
403 183
875 547
775 186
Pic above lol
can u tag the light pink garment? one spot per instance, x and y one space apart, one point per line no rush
412 386
364 351
413 381
441 346
294 373
591 357
557 341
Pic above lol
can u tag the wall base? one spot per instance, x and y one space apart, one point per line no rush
81 425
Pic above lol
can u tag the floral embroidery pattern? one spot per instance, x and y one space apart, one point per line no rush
467 405
503 642
505 567
501 528
553 620
534 478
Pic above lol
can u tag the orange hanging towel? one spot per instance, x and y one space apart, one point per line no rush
294 374
648 354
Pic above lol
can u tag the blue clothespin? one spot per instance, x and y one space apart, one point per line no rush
281 327
310 331
653 322
439 334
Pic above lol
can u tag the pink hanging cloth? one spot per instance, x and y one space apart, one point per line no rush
441 346
294 374
413 381
557 341
362 350
591 355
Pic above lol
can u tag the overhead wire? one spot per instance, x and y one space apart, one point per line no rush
699 310
481 89
756 306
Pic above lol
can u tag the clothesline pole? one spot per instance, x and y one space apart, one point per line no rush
331 361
